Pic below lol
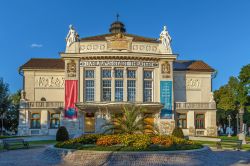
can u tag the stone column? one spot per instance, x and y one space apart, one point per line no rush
139 85
125 92
190 123
98 84
44 122
113 84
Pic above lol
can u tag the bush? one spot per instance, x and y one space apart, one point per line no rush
85 139
62 134
178 133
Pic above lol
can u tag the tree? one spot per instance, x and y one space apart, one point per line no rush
234 96
4 98
131 121
12 115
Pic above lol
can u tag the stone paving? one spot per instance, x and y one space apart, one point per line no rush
44 156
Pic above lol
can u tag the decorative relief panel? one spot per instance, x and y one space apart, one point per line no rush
188 83
93 47
144 48
71 69
49 81
119 42
166 70
193 83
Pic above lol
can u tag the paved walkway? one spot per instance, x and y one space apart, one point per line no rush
43 156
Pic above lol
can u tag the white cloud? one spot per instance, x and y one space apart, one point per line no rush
35 45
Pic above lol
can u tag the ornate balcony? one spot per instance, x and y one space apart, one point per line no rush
41 104
195 105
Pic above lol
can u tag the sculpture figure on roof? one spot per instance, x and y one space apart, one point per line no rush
72 36
165 37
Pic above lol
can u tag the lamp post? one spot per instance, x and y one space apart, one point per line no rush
229 125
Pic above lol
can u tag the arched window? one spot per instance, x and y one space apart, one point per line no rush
43 99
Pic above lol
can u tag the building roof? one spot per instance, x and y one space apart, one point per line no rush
136 38
192 65
41 63
179 65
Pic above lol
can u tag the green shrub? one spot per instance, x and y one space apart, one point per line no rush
62 134
178 133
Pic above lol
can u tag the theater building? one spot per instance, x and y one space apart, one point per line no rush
95 76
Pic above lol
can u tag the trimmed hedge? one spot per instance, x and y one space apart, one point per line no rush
177 132
133 141
62 134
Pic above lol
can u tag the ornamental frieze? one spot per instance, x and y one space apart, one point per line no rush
49 81
93 47
150 48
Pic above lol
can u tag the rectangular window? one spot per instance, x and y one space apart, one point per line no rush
89 85
106 90
131 90
35 121
54 120
118 73
147 85
182 120
118 90
200 121
106 84
131 85
106 73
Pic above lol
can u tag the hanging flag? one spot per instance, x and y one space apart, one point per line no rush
71 97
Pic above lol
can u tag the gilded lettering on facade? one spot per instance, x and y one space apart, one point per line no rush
49 81
120 63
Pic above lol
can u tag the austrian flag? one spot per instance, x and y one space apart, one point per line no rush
71 97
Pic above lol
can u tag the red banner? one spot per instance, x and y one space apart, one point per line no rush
71 97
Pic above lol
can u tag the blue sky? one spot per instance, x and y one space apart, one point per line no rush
217 32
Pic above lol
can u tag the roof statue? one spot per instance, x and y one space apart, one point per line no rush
165 39
72 36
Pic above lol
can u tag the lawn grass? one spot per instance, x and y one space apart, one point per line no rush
32 144
9 136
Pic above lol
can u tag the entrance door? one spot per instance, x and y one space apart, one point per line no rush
89 123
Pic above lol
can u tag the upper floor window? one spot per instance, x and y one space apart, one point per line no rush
43 99
131 85
106 73
147 85
54 120
89 85
106 84
35 121
118 73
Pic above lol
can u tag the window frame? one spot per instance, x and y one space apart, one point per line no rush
50 125
31 120
182 119
89 88
204 119
152 85
106 88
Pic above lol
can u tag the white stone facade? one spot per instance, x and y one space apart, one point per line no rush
45 87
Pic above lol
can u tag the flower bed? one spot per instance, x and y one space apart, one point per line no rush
128 142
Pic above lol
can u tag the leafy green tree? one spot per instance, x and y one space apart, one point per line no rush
234 96
131 121
12 115
4 98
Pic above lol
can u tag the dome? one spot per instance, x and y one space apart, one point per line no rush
117 27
